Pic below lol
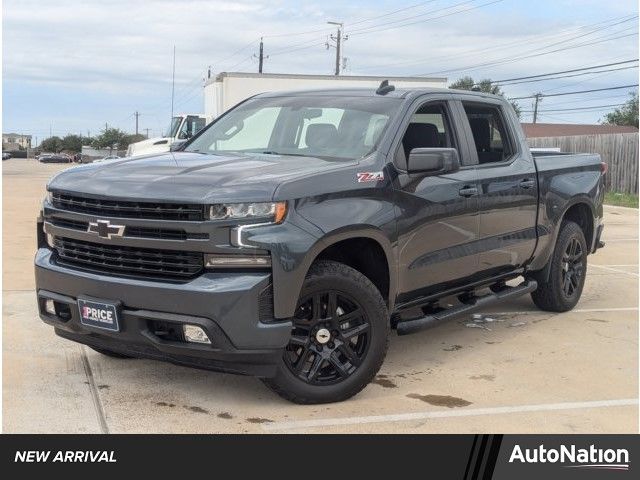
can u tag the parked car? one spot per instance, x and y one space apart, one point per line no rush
6 155
290 236
54 158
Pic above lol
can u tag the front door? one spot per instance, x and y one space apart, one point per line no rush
437 215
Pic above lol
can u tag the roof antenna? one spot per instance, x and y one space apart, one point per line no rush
385 88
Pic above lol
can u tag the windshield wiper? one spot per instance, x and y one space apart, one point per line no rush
271 152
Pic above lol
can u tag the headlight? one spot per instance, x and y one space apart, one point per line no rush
272 212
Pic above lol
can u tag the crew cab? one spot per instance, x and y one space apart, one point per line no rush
290 236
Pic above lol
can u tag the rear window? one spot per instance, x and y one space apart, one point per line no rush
490 135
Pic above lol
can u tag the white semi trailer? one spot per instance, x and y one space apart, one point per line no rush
229 88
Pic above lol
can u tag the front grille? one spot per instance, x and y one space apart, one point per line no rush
128 261
128 209
138 232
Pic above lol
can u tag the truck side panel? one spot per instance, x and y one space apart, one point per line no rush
564 181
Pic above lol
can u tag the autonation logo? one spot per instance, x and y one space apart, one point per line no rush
573 457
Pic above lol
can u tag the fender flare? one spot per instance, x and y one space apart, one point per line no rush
347 233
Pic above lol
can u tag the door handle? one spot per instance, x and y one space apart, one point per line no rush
468 191
527 183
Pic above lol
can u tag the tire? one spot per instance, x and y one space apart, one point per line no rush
567 271
110 353
332 357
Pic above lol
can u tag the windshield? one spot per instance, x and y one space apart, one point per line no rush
173 128
341 128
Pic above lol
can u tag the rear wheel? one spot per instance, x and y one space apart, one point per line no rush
567 271
339 337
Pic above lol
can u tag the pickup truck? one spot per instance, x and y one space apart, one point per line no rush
289 237
182 127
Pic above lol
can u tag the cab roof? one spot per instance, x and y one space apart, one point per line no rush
371 92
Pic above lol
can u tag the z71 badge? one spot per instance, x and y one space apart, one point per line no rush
369 176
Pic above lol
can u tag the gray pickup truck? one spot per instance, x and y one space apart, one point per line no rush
287 238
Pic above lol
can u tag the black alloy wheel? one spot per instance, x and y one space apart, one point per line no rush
330 338
572 267
561 282
339 337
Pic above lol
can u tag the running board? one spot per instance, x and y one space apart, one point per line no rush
407 327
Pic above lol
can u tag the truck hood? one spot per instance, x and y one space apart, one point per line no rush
190 177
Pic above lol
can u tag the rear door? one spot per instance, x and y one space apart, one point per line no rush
508 188
437 215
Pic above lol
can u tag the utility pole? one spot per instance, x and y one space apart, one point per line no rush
147 131
338 46
537 98
136 115
261 56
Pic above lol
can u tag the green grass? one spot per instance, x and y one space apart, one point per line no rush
621 199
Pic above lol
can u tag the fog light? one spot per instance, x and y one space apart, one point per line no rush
195 334
49 307
237 261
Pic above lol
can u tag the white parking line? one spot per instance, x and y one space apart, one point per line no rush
615 270
403 417
576 310
619 265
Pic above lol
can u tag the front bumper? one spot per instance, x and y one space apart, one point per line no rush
225 305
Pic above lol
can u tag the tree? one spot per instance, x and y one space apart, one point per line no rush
109 138
486 86
128 139
51 144
625 115
73 143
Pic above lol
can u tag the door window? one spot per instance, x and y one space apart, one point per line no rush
492 141
430 127
191 126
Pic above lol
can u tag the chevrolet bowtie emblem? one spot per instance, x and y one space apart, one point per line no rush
104 229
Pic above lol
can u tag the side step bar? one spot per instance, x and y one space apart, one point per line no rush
414 325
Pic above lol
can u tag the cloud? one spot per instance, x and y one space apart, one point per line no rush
117 54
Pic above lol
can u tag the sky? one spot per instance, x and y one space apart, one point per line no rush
73 66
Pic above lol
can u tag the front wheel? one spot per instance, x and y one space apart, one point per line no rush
567 271
339 338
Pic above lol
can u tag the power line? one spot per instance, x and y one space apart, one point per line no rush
392 13
392 25
566 71
502 46
506 60
593 107
575 93
566 76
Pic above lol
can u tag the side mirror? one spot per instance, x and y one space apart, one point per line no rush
433 161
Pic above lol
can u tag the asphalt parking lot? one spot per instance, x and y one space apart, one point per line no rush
526 372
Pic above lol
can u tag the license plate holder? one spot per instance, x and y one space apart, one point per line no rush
101 314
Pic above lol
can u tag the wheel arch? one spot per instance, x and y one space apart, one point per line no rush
342 245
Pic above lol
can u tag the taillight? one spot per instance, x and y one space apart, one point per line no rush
603 167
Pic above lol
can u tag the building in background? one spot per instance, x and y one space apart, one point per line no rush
14 141
229 88
534 130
